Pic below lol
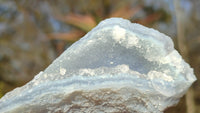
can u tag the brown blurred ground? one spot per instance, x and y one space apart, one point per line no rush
34 33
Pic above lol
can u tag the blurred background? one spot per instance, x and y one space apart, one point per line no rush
34 32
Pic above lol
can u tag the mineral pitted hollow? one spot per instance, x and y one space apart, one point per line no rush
118 66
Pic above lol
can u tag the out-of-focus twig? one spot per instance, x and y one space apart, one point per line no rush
71 36
125 12
183 49
149 19
182 43
83 22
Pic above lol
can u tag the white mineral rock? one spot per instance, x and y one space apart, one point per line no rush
117 67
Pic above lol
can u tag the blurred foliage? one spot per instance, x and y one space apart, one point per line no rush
84 22
33 33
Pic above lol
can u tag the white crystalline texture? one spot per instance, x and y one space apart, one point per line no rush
117 67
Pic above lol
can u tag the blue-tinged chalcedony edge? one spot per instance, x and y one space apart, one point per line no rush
117 67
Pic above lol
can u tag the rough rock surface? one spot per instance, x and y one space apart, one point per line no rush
117 67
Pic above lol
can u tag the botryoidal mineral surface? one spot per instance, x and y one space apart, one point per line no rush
118 66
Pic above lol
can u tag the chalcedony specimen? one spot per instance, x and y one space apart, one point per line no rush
117 67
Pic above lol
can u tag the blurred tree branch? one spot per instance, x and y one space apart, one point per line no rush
183 49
